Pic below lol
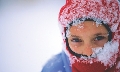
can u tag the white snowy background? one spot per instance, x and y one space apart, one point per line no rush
29 34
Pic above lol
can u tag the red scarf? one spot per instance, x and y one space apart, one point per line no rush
95 66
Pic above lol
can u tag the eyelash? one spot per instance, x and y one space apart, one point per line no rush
76 40
98 38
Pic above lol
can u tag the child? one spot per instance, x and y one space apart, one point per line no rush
91 35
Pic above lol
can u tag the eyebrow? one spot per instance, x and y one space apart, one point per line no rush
75 36
97 34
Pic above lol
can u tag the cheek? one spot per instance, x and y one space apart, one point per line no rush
74 44
75 47
101 43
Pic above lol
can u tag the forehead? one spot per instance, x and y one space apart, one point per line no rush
87 27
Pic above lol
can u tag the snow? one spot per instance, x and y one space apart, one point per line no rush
106 55
27 35
114 27
108 15
80 21
118 65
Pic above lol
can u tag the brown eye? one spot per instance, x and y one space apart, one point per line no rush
98 38
76 40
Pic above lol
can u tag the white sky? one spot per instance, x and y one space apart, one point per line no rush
29 34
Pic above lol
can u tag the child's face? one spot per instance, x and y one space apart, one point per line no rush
86 36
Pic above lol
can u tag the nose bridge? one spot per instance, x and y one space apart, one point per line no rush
88 43
87 48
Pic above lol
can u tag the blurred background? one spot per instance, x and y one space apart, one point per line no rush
29 34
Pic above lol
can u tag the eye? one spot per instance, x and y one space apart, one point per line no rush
76 40
99 38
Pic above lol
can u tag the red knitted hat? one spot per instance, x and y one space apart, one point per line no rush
107 11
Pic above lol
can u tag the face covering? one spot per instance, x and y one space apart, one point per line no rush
103 59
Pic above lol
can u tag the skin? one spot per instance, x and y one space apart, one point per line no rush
83 37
